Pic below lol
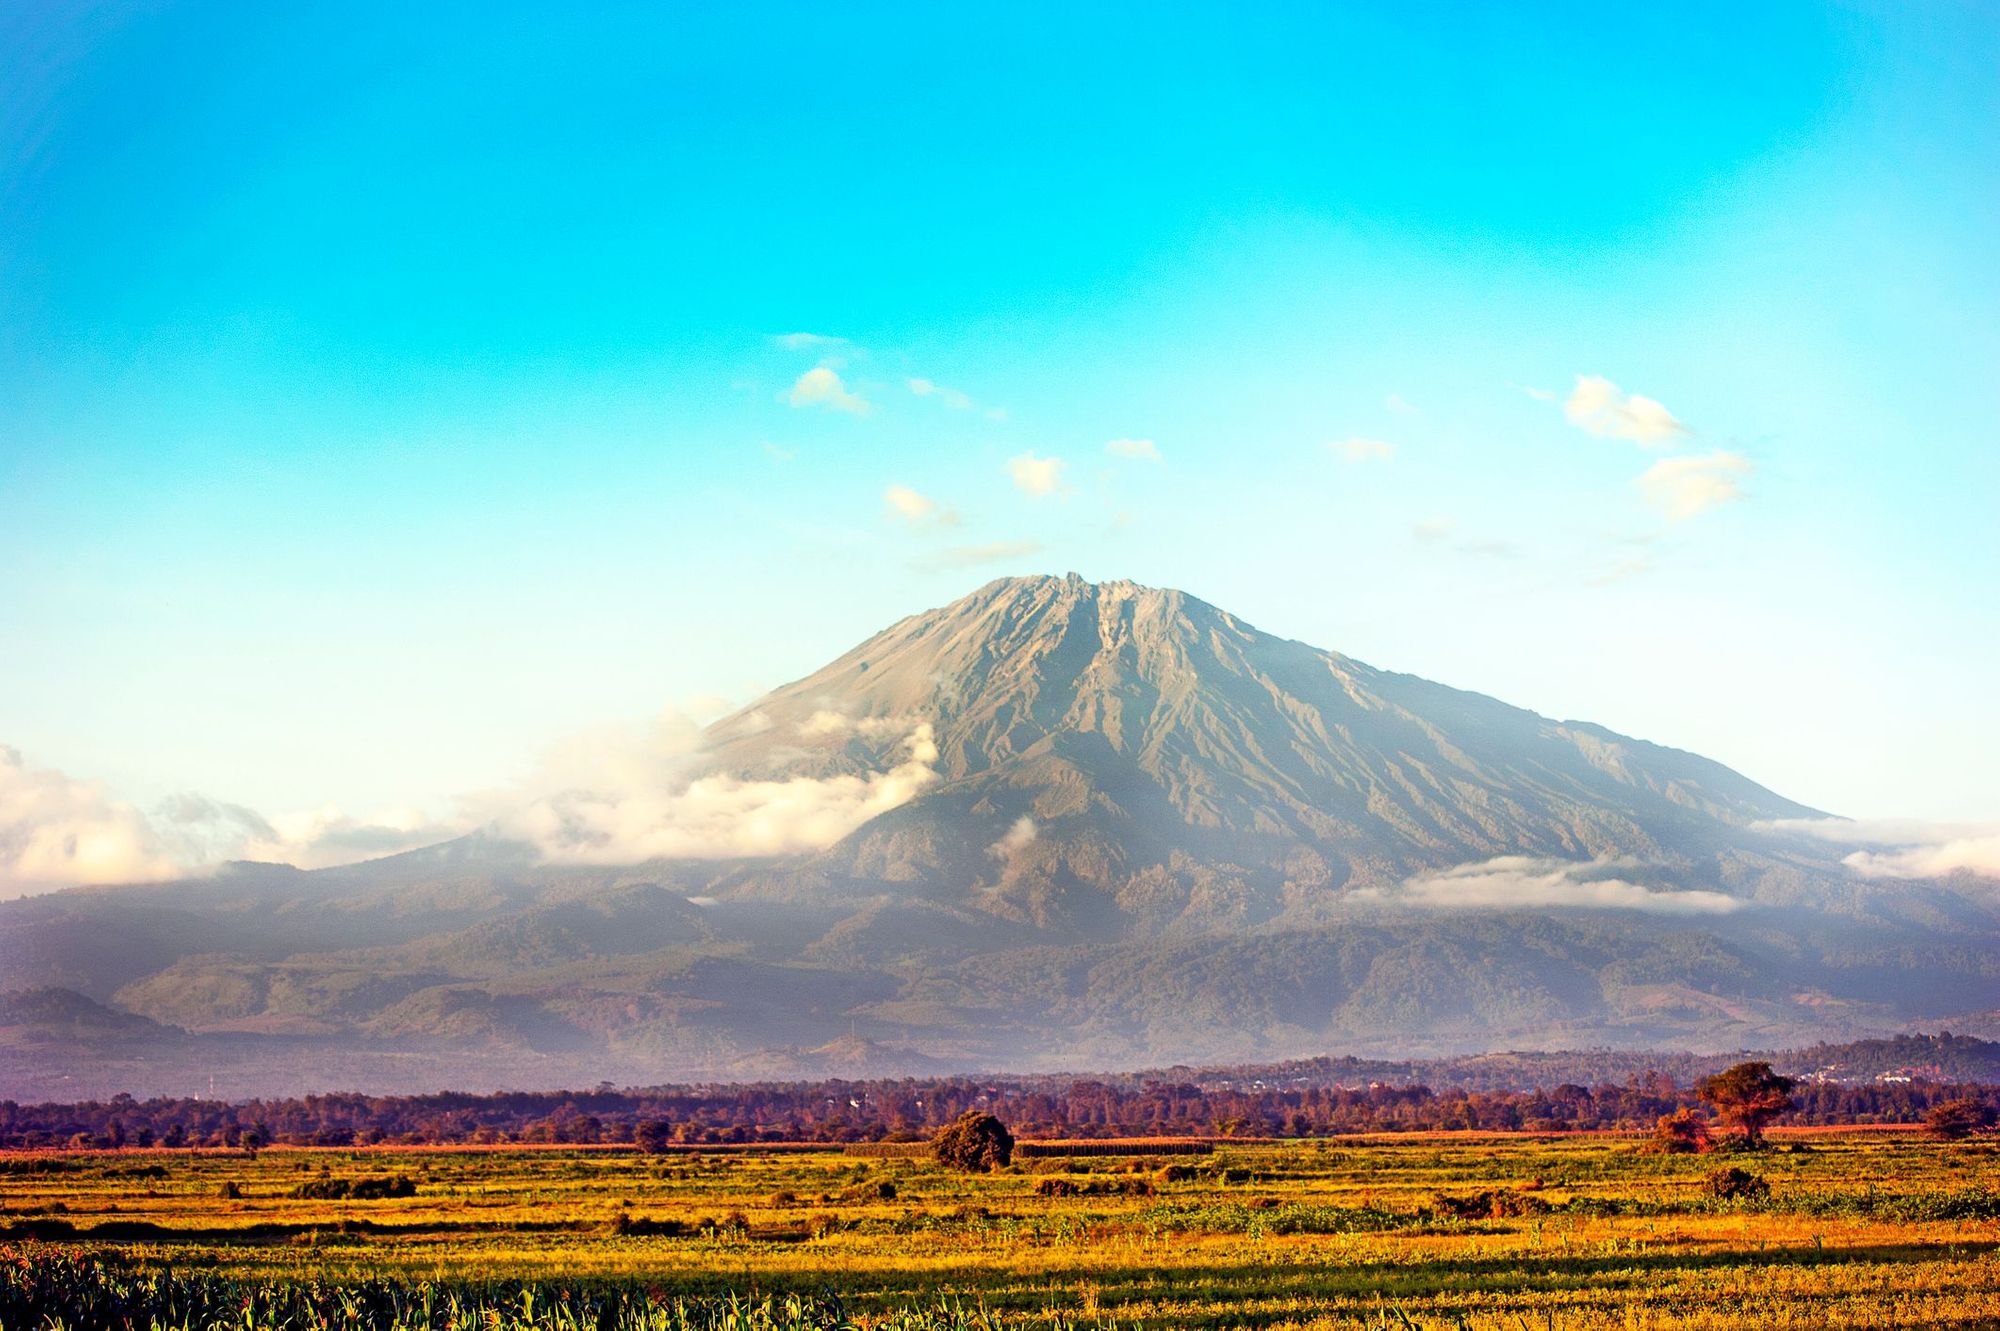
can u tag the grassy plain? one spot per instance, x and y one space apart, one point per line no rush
1857 1229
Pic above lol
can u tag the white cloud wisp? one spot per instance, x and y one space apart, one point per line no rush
1020 835
917 509
1600 407
1036 477
1357 449
1902 848
823 387
718 817
1524 882
1686 486
1136 450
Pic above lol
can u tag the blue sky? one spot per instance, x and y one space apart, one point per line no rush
388 392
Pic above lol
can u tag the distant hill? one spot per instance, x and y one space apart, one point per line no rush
1125 828
63 1017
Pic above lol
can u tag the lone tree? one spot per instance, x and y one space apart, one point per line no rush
1748 1096
1953 1120
653 1135
977 1142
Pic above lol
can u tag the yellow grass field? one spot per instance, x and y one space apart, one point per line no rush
1876 1228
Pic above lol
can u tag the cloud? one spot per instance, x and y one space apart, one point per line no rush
972 556
953 398
828 721
1431 530
1598 406
917 509
610 795
1902 848
1684 487
822 387
719 817
778 453
1016 837
824 722
1521 882
807 341
950 397
1978 854
1439 532
1400 405
1036 476
1139 450
56 831
1357 449
324 837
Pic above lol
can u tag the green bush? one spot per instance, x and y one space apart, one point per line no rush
977 1142
1733 1184
356 1189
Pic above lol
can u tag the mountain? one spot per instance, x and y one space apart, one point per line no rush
1054 823
1147 735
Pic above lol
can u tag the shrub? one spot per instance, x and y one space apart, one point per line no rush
641 1227
1069 1187
1683 1132
880 1191
1489 1205
1732 1183
977 1143
1954 1120
356 1189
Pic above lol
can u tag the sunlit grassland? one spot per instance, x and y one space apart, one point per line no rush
1857 1230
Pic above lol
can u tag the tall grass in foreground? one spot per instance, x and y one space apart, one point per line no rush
45 1288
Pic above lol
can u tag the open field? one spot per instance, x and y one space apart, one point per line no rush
1880 1228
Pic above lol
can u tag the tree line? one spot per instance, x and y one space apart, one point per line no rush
841 1111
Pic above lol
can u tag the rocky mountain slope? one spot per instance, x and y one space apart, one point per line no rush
1124 828
1148 738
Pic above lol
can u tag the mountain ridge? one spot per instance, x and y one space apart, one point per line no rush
1121 718
1099 824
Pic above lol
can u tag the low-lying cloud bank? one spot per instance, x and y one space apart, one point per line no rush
717 817
1902 848
60 831
1521 882
616 795
56 830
